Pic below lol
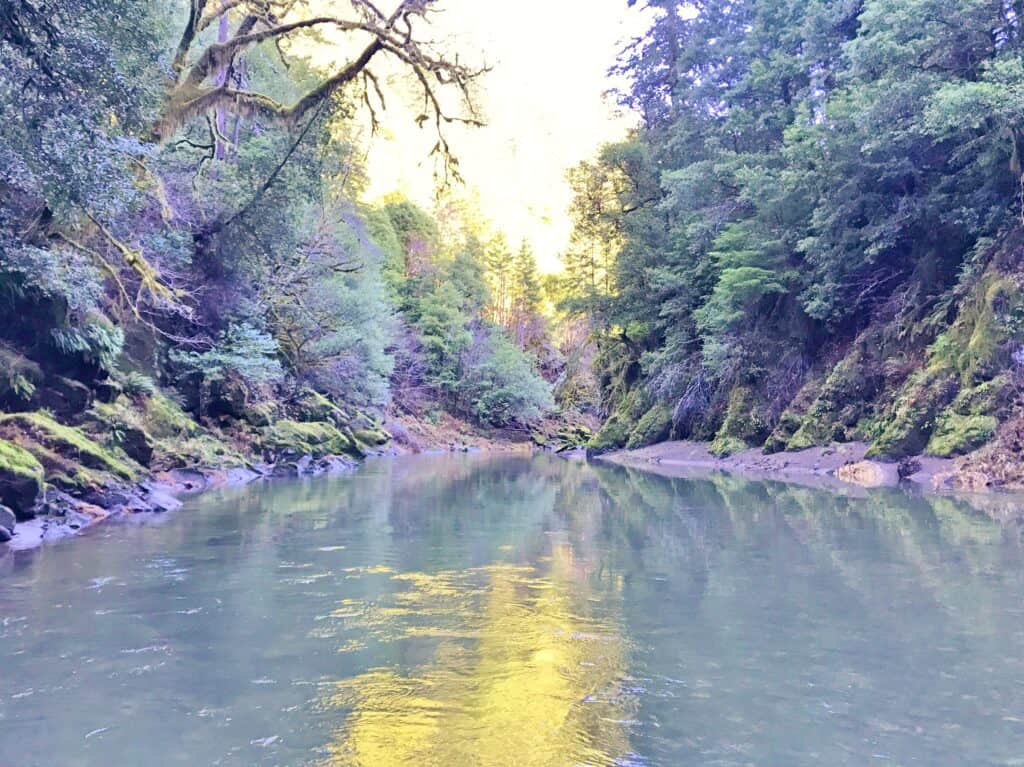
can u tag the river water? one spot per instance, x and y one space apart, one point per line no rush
442 611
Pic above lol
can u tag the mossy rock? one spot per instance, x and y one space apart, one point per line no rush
203 450
48 440
318 439
121 423
988 398
260 414
744 425
957 434
792 418
372 437
845 397
654 426
314 407
613 434
989 318
21 479
165 419
724 446
909 424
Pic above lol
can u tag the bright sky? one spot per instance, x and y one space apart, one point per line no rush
544 107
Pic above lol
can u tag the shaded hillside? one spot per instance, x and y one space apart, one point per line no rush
815 235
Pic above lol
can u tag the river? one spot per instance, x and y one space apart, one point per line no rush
442 611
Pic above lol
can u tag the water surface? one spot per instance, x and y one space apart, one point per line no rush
511 610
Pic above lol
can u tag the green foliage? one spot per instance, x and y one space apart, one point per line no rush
957 434
503 387
243 351
98 341
744 425
446 336
811 182
136 384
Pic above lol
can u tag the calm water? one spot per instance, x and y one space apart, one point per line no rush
474 610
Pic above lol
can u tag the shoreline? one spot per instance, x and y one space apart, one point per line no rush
839 468
845 464
61 515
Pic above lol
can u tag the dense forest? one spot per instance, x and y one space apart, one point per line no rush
188 274
815 235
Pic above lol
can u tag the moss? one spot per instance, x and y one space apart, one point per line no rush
372 437
67 442
957 434
744 425
844 399
792 418
654 426
724 446
616 430
259 414
318 439
907 426
164 418
989 317
613 434
988 398
313 407
203 450
18 462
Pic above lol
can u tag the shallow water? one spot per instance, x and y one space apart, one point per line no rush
508 610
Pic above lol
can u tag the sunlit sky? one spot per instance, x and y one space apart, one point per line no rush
544 106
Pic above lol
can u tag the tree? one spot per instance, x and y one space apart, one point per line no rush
206 74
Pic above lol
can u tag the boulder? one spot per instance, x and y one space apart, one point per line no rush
7 520
64 396
870 474
136 444
21 479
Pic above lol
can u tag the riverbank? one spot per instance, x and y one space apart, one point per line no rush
844 463
58 513
840 467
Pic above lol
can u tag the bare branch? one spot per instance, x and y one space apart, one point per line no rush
204 88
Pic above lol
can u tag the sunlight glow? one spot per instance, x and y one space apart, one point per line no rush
544 106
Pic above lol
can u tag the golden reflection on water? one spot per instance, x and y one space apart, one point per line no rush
516 675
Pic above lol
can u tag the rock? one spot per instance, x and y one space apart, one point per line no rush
908 467
229 397
108 390
64 396
971 480
7 519
870 474
5 535
161 501
312 407
137 444
21 479
259 415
